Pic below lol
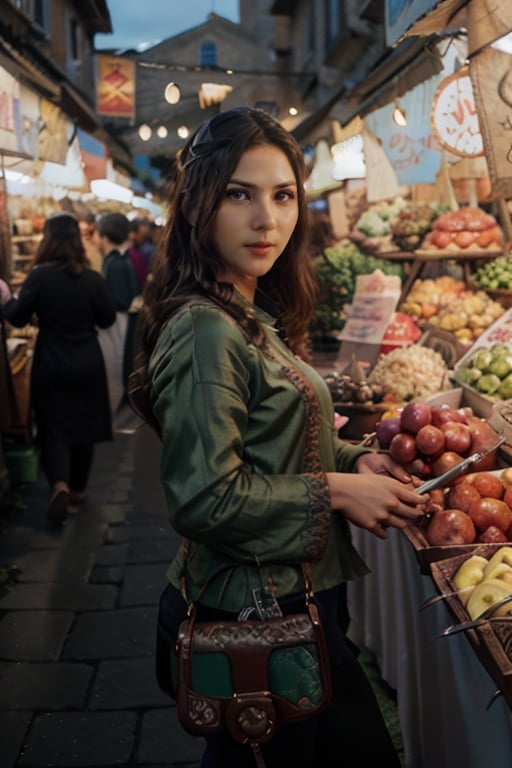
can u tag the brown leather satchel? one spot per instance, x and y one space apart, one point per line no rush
249 678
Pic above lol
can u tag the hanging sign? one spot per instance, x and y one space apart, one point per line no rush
9 112
53 133
454 116
492 79
116 86
410 150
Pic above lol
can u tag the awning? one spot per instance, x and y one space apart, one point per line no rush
94 156
76 107
484 21
404 67
411 63
417 18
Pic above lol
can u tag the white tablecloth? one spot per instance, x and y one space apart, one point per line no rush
442 688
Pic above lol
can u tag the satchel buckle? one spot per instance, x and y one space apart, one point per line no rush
251 717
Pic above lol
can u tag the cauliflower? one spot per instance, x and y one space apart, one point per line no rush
410 373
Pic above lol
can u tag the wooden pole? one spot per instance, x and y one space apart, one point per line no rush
452 200
505 222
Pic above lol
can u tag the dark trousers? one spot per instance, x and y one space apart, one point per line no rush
350 733
64 462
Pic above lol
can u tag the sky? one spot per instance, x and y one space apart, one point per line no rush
141 23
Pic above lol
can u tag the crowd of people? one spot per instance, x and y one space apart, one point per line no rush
81 292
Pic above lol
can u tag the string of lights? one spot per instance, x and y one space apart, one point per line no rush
220 70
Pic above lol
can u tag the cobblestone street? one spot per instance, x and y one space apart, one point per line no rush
77 632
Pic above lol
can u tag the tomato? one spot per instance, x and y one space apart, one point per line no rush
465 238
441 239
485 238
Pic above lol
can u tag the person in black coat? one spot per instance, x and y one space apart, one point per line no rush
117 343
69 392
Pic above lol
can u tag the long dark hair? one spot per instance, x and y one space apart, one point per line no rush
188 260
62 243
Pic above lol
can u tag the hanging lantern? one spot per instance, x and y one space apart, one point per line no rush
172 93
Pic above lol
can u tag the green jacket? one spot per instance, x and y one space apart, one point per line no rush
247 438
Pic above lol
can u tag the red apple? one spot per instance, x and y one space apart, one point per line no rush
430 440
483 437
451 526
506 476
489 485
507 496
457 436
490 511
402 448
414 416
462 495
444 413
419 467
492 535
386 429
468 477
446 461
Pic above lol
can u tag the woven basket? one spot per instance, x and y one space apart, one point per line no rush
503 296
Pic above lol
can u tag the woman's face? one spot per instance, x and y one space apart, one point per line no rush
256 217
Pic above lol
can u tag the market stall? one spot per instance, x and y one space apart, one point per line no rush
444 693
435 204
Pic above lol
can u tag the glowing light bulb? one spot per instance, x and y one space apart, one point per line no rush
399 116
145 132
172 93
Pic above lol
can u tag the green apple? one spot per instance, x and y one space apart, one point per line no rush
487 593
471 572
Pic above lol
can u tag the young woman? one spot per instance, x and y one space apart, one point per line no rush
255 477
68 381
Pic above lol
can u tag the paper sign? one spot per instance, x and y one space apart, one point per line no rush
372 308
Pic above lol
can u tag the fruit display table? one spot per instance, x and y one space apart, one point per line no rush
442 688
418 259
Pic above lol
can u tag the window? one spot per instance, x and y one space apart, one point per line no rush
36 10
40 13
333 21
312 28
74 37
208 54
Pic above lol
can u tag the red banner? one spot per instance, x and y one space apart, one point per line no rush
115 95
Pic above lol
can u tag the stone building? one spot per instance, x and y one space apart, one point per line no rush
290 57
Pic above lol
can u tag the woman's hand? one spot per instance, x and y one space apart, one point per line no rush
375 501
383 464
